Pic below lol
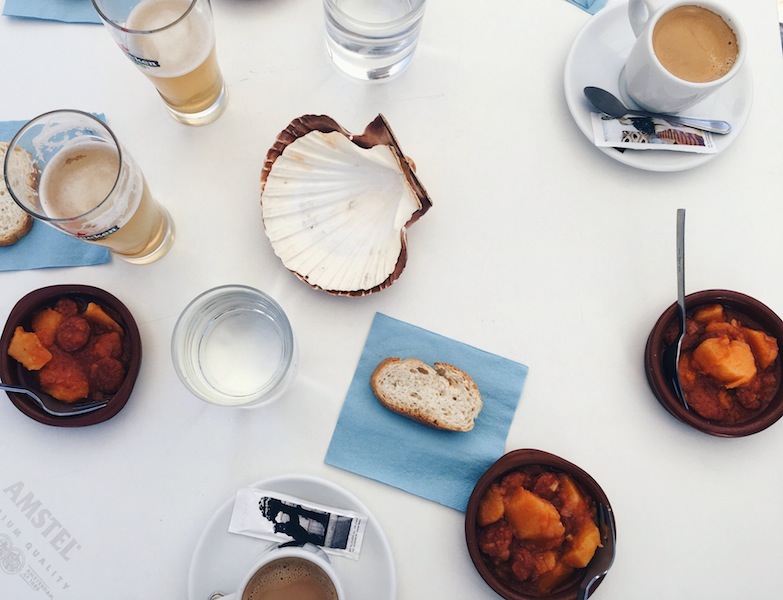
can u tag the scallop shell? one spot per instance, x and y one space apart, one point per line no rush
336 207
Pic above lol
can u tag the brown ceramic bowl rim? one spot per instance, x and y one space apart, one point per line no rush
758 312
10 369
512 461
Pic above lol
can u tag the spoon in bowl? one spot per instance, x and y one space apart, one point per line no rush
611 105
671 356
51 405
603 558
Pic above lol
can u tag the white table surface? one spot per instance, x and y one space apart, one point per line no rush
538 248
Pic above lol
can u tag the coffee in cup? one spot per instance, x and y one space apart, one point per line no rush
289 572
684 51
290 578
694 44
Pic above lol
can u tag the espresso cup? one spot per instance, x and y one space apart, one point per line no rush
684 51
289 571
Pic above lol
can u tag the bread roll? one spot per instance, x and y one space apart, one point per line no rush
14 222
443 397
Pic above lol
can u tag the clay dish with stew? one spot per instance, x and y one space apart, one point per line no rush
12 372
536 462
752 314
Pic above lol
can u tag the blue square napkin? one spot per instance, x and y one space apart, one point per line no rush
443 466
67 11
44 246
591 6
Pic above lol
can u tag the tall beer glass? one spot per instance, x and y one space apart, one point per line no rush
173 43
84 183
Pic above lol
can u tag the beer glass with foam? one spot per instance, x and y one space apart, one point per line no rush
173 43
83 182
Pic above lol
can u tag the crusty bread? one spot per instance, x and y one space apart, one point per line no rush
443 397
14 222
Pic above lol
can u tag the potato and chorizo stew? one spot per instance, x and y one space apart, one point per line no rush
729 368
536 527
76 349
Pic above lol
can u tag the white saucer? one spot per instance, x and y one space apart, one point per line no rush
221 558
597 58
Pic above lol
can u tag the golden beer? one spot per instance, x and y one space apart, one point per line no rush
84 190
173 43
192 92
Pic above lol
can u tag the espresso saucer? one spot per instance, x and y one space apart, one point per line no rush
597 58
221 558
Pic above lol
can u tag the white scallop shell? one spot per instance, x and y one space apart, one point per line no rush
336 213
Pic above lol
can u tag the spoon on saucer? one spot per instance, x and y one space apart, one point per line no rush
612 106
671 356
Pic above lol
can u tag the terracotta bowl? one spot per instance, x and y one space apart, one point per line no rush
758 315
12 372
512 461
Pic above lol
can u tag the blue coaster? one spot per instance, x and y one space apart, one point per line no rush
442 466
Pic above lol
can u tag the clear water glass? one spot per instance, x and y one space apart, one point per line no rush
372 40
233 346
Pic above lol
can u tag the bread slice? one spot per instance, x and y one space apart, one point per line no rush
443 397
14 222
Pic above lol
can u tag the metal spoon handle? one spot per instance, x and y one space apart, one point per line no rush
680 301
69 411
6 387
711 125
681 265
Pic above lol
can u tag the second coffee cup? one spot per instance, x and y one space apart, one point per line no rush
289 571
684 52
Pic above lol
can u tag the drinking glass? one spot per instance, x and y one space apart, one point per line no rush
173 43
83 182
372 39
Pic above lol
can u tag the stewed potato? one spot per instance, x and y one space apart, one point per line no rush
729 368
536 528
76 350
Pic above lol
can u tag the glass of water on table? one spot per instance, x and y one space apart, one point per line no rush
373 40
82 181
173 43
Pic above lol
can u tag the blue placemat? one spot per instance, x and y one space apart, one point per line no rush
438 465
44 246
67 11
591 6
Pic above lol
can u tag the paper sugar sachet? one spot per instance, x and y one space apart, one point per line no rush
645 133
281 518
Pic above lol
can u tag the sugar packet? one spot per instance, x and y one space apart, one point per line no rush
645 133
277 517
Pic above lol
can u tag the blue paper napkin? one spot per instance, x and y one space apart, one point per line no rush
67 11
44 246
591 6
443 466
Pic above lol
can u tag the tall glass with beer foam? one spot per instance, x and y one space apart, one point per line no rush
173 43
83 182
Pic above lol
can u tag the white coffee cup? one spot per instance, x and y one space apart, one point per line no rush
654 87
308 557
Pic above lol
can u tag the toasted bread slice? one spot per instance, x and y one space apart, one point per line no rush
443 397
14 222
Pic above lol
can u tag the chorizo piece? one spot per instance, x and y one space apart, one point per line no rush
73 333
106 375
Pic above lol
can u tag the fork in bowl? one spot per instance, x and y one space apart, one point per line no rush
55 407
604 556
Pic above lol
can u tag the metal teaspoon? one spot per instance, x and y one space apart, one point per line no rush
671 356
612 106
